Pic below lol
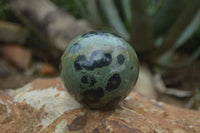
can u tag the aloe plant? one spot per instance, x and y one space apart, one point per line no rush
155 27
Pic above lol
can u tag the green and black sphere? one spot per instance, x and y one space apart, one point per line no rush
99 69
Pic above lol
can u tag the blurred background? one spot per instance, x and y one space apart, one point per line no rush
164 33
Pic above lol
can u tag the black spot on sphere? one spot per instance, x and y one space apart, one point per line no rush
82 87
84 79
83 72
80 62
87 79
98 73
92 80
89 34
92 33
131 67
113 82
75 48
92 95
120 59
97 59
116 35
100 59
100 92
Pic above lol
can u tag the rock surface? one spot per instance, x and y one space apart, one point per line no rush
17 56
44 106
145 84
12 33
47 70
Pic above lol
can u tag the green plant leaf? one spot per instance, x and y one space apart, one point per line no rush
114 18
189 31
164 13
93 13
141 27
178 27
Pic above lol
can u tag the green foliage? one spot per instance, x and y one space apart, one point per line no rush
194 40
198 91
197 33
4 11
156 27
68 5
153 6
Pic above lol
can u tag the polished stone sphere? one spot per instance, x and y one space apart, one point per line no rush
99 69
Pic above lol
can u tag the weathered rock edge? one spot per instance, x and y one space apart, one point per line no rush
44 106
52 25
